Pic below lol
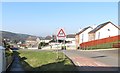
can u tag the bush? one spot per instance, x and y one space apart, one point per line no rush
42 44
8 52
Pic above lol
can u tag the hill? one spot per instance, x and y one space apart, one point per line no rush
14 36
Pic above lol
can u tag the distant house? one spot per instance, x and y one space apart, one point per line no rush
82 36
32 42
70 38
47 39
70 41
22 46
104 30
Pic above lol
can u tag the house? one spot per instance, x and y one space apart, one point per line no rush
70 42
47 39
70 38
82 36
104 30
77 40
22 46
32 42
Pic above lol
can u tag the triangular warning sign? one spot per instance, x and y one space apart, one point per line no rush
61 33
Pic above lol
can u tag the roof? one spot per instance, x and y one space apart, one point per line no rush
70 36
100 26
30 38
83 30
48 38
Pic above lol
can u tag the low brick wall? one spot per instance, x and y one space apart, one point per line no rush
100 41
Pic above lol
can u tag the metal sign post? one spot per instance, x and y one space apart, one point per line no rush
64 49
57 49
61 34
64 41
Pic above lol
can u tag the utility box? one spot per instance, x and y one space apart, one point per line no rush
2 59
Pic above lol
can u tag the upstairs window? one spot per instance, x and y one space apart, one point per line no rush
108 29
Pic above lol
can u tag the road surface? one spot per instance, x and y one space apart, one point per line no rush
100 60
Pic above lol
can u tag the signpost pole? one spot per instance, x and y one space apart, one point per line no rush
64 48
57 48
64 41
61 34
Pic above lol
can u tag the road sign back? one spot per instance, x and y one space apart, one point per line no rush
61 33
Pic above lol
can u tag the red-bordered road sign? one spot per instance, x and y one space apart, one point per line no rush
61 33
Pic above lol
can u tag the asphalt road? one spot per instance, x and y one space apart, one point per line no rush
108 57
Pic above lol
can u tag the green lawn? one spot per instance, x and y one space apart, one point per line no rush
103 46
45 61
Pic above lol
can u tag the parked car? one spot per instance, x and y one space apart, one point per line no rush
14 49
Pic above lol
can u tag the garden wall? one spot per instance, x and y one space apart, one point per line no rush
100 41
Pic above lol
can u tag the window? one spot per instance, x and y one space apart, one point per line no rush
108 29
109 32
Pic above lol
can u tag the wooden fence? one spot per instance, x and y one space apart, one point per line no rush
100 41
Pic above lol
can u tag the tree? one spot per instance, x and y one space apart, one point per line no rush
42 44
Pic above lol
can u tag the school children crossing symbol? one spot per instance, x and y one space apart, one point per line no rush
61 33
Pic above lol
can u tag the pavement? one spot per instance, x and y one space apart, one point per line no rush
16 66
100 60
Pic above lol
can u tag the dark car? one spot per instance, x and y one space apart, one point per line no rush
14 49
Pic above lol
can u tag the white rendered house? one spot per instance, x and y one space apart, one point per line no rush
82 36
104 30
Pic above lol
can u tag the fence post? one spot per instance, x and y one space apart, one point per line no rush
2 59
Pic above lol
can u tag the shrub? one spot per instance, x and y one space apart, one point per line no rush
42 44
8 52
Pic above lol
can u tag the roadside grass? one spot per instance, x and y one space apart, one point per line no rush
45 61
102 46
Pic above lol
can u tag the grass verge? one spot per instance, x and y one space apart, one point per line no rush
45 61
